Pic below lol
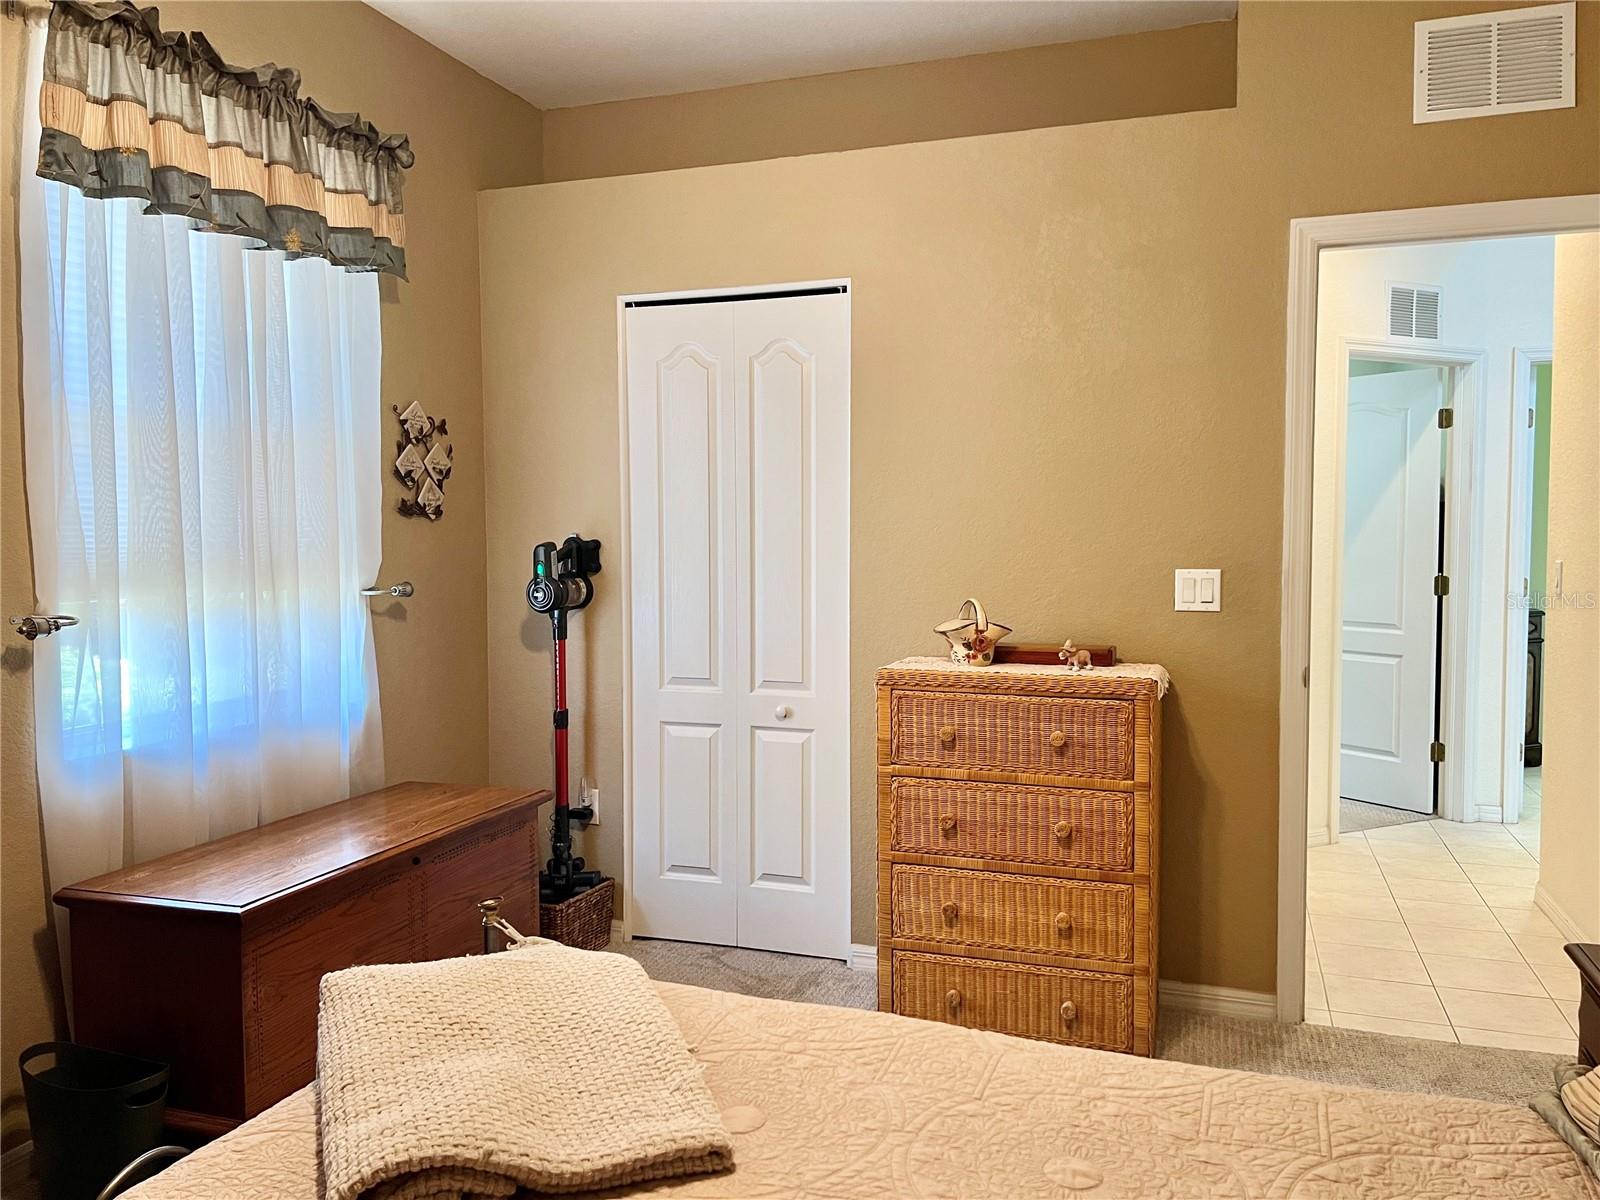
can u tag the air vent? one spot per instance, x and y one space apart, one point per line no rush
1413 311
1486 64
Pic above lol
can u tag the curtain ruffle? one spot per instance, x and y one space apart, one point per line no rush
130 110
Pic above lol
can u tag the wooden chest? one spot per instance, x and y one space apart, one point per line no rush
1587 957
1018 844
209 959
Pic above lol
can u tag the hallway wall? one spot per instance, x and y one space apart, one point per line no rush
1569 878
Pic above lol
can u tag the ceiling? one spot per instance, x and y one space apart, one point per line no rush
561 53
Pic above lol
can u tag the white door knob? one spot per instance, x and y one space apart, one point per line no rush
784 712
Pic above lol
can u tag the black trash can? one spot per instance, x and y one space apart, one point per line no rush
92 1112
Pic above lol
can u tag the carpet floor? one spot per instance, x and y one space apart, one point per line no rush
754 972
1356 816
1320 1052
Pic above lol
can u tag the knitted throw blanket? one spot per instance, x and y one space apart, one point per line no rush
542 1067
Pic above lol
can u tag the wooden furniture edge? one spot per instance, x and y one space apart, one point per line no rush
1587 957
1153 799
81 893
201 1126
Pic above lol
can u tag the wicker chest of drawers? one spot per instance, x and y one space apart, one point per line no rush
1018 843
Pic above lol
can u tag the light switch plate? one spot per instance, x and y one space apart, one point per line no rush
1197 589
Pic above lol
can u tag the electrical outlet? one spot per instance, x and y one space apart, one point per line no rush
591 797
1197 589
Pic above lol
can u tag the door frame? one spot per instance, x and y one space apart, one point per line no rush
1519 543
1308 237
625 560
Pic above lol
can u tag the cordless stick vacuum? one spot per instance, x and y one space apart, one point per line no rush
561 585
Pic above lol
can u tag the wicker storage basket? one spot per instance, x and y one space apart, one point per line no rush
583 921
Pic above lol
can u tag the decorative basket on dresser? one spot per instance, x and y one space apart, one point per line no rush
1018 843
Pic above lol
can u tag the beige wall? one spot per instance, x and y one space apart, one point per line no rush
468 134
1168 71
1067 380
1569 878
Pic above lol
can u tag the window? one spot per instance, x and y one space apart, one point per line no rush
203 477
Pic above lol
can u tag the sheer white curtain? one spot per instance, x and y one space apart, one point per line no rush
204 494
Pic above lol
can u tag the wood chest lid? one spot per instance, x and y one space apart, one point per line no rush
238 872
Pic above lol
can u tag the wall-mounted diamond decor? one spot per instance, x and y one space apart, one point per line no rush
422 462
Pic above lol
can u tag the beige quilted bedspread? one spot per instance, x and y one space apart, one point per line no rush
827 1102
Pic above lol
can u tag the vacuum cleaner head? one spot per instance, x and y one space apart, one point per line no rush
560 580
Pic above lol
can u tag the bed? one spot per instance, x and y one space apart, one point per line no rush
828 1102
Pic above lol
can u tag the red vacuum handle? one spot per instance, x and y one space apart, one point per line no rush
559 656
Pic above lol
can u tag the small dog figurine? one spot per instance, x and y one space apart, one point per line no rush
1076 660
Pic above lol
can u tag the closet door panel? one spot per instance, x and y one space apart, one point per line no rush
682 493
792 427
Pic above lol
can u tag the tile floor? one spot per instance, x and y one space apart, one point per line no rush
1429 930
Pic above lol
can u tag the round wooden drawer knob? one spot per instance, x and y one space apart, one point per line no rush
947 823
1063 923
1058 739
1062 830
952 1001
1069 1011
947 733
951 910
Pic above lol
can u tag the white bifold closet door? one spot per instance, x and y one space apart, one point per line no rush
739 482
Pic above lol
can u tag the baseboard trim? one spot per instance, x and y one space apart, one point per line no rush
616 930
1220 1001
1491 814
1318 837
863 958
1565 925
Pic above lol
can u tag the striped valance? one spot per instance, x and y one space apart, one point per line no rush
129 110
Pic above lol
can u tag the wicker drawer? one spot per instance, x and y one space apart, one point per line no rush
1013 823
1042 735
1012 912
1079 1007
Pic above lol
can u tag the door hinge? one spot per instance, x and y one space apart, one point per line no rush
1436 752
1305 677
1447 418
1530 418
1441 585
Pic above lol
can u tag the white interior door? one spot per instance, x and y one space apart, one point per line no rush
739 496
1393 479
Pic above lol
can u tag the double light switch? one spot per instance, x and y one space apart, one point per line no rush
1197 589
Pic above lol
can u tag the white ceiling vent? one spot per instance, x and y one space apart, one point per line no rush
1486 64
1413 311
